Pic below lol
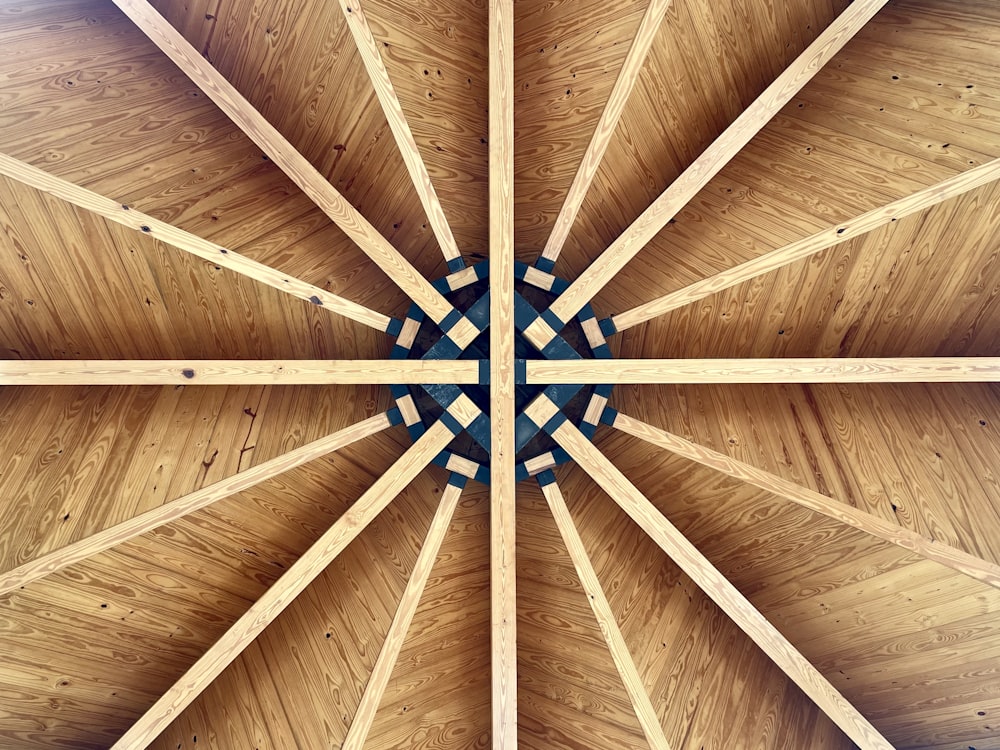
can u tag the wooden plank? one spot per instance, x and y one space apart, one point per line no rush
183 506
719 589
382 671
372 57
814 243
295 165
627 76
952 557
189 243
712 160
238 372
634 686
778 370
271 604
503 602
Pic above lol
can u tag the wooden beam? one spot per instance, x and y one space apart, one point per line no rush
503 602
711 162
605 129
778 370
189 243
238 372
295 165
637 692
393 644
956 559
808 246
273 602
371 54
183 506
719 589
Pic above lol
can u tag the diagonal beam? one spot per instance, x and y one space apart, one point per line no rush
298 169
709 164
956 559
605 129
274 601
718 587
637 692
808 246
778 370
503 603
372 56
393 644
194 501
189 243
238 372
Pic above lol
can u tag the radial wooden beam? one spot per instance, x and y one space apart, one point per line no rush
719 589
706 166
273 602
371 54
637 692
238 372
296 166
605 129
183 506
808 246
956 559
778 370
393 644
189 243
503 603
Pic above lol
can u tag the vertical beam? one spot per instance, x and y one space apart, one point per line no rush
503 605
637 692
393 644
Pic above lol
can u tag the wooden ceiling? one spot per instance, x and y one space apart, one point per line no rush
912 100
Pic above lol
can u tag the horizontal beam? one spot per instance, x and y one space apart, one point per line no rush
189 243
239 372
956 559
183 506
808 246
779 370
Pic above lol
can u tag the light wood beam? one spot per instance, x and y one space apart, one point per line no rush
719 588
808 246
393 644
637 692
189 243
295 165
711 161
183 506
371 54
238 372
956 559
273 602
605 129
503 602
778 370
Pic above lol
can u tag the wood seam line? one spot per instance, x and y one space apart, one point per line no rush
194 501
295 165
599 141
371 54
956 559
719 589
273 601
639 696
808 246
776 370
503 574
189 243
365 715
238 372
714 158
